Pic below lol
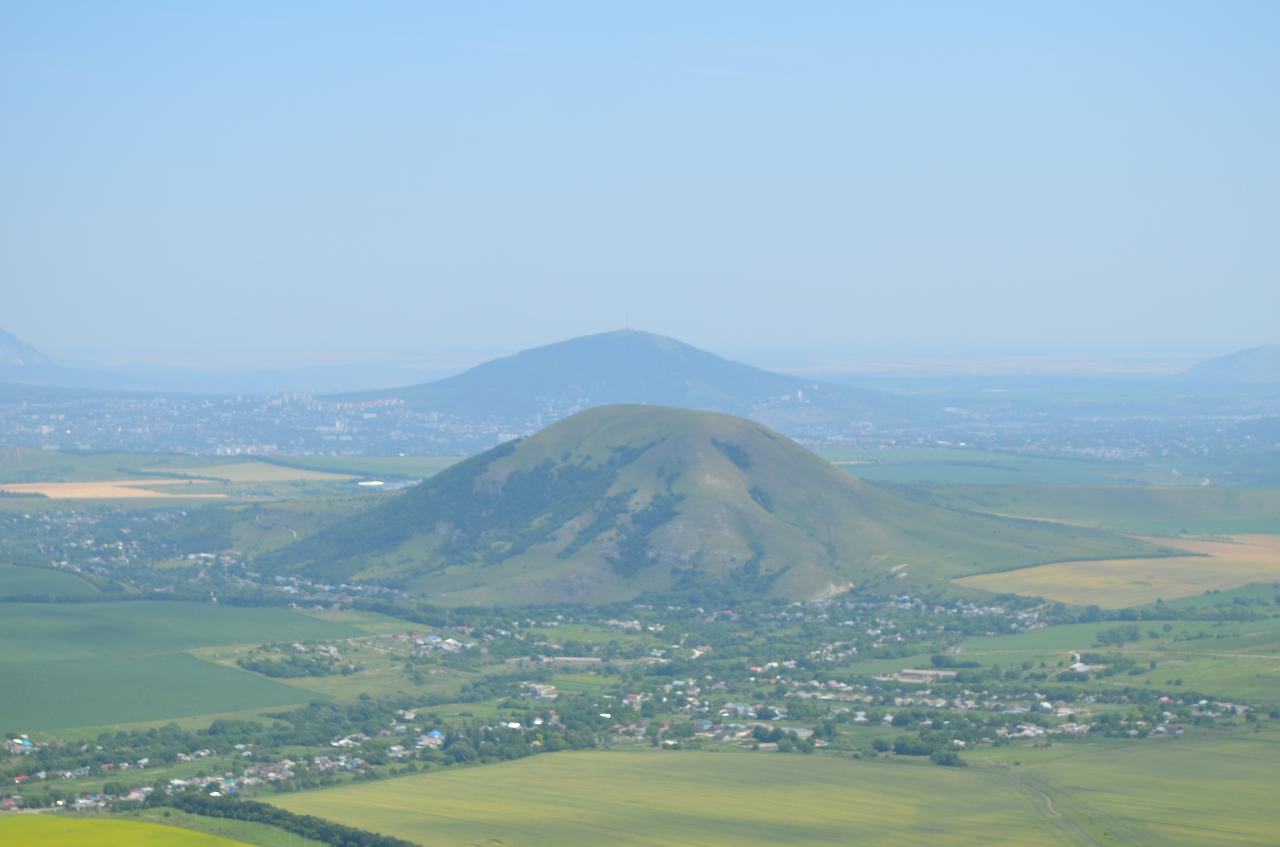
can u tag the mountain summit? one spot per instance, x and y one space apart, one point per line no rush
544 384
621 501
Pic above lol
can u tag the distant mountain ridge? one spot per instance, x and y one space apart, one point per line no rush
621 501
14 352
1256 365
544 384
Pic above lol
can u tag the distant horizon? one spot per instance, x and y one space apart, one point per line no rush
432 365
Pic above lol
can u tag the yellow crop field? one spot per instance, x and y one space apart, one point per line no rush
119 489
64 831
1116 583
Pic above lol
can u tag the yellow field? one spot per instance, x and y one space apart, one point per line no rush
252 471
62 831
119 489
1116 583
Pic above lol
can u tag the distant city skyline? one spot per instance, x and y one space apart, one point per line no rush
833 183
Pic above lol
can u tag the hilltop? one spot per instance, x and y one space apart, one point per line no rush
621 501
1257 365
538 386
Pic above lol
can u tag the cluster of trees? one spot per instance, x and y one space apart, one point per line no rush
633 539
939 751
787 741
297 665
1119 636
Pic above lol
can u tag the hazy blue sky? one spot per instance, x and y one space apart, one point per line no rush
180 180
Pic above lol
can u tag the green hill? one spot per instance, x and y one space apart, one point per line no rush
620 501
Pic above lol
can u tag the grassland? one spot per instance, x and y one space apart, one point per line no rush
261 527
66 831
638 798
1117 583
105 663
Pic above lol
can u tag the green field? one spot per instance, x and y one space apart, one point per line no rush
1193 791
20 581
1158 510
247 832
741 799
95 664
1174 792
975 467
66 831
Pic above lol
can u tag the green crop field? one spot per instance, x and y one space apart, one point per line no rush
103 663
19 581
1153 796
78 692
741 799
66 831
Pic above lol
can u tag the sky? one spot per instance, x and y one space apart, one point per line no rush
252 183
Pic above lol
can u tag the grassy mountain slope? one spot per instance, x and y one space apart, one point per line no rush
622 500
